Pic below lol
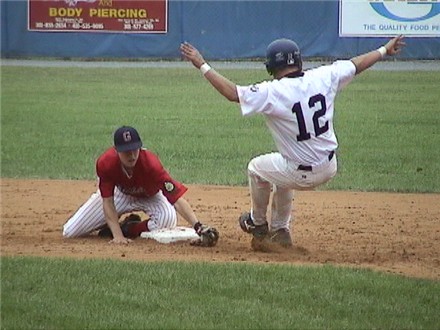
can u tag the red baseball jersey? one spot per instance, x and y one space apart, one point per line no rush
148 177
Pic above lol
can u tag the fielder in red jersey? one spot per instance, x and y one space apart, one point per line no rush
132 179
147 177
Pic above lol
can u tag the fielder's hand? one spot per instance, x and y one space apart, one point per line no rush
120 240
208 235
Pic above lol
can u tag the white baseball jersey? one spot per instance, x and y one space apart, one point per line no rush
299 111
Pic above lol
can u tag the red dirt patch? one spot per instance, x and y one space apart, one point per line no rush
397 233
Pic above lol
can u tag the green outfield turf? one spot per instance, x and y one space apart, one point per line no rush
56 121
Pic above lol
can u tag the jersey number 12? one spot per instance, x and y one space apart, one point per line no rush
298 111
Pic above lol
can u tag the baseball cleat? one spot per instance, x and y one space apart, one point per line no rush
246 223
248 226
128 222
276 241
105 232
282 237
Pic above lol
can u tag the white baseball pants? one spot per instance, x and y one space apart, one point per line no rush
274 172
90 216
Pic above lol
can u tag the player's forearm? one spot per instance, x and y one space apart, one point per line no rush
392 47
184 209
364 61
111 217
223 85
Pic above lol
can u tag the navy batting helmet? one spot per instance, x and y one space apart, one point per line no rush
282 53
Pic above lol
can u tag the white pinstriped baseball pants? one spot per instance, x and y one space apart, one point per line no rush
90 216
274 172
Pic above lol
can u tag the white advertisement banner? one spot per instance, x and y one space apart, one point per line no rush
373 18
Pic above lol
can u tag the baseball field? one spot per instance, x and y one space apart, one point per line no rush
367 244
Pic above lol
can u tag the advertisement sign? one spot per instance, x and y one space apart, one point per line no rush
372 18
129 16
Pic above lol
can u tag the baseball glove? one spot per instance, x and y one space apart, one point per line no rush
208 235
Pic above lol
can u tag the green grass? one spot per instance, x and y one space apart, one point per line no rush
388 131
56 122
102 294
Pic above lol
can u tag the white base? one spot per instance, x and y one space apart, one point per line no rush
171 235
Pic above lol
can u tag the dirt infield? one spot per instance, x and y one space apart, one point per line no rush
397 233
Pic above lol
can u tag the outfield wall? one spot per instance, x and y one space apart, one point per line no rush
220 29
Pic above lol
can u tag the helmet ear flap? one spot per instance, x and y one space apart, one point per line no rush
269 69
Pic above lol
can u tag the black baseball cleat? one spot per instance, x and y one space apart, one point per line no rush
105 232
263 240
128 222
248 226
246 223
